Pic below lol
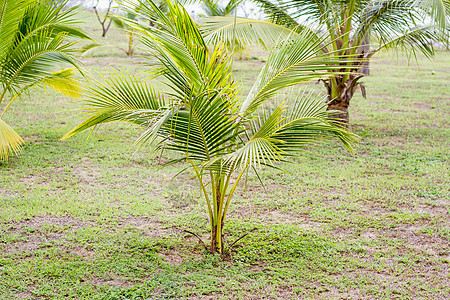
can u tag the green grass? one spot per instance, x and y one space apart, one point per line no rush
91 219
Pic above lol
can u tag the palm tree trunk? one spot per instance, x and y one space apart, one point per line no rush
217 225
213 248
341 108
340 94
130 43
216 239
366 49
218 244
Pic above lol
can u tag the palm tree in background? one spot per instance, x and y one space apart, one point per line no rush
201 116
359 28
34 42
213 8
129 51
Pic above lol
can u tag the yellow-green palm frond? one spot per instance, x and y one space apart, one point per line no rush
64 82
61 81
307 122
176 42
10 141
34 41
33 60
276 134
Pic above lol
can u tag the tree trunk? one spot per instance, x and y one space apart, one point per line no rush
216 239
130 44
105 28
341 106
340 94
216 229
213 248
365 70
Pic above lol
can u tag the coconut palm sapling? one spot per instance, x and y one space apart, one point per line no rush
200 116
129 30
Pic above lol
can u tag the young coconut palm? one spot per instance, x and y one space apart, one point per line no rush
213 8
201 117
33 45
129 30
409 25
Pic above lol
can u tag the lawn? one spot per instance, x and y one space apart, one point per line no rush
96 219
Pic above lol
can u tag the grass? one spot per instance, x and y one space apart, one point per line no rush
91 219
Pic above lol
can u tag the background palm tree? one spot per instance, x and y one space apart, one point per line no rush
129 30
409 25
201 116
214 8
34 43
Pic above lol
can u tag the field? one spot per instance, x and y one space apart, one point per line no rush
96 219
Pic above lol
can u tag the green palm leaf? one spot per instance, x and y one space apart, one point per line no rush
35 43
291 63
10 12
412 40
440 11
247 31
122 98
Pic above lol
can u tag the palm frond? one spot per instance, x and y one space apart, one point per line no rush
181 51
277 15
34 44
64 82
45 15
122 98
291 63
10 12
282 132
33 60
176 43
61 81
382 17
206 128
309 9
10 141
247 32
307 122
213 8
260 149
413 40
439 11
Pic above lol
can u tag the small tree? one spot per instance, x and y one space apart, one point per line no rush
129 31
104 21
201 118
